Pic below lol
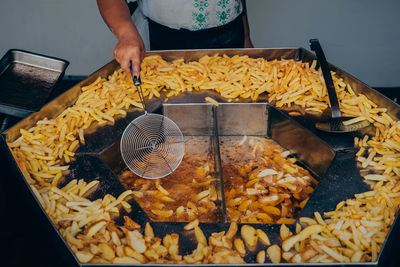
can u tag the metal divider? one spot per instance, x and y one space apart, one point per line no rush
200 119
219 163
238 119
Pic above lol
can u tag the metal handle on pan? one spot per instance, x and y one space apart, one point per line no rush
4 124
316 47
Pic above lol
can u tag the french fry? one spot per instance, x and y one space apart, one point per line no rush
192 225
201 195
334 254
288 243
125 260
263 237
163 213
95 228
357 256
307 220
161 189
318 217
287 256
274 253
148 231
239 246
232 230
128 251
130 224
249 235
115 238
211 100
84 256
308 253
354 120
284 232
135 240
200 237
260 258
106 251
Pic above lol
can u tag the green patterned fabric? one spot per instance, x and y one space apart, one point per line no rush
191 14
224 9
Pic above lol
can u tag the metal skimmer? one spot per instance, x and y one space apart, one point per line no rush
152 145
335 123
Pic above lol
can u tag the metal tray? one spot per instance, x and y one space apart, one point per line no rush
340 181
27 80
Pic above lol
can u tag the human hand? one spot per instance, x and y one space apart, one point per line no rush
130 48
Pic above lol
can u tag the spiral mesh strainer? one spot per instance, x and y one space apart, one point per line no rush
152 145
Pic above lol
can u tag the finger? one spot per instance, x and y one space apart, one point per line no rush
125 64
115 54
142 53
121 61
135 58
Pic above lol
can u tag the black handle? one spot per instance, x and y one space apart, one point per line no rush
137 82
316 47
4 124
136 79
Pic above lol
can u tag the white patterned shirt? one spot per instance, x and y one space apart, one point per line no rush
191 14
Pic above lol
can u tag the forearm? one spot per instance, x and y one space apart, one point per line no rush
117 17
129 50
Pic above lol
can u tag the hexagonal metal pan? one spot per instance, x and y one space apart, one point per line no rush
340 181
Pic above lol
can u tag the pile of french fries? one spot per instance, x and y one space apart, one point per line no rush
287 82
262 184
248 239
354 231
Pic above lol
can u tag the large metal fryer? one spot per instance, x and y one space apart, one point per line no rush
339 182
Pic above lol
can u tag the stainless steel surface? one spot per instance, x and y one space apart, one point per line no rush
339 182
192 119
242 119
27 80
308 148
